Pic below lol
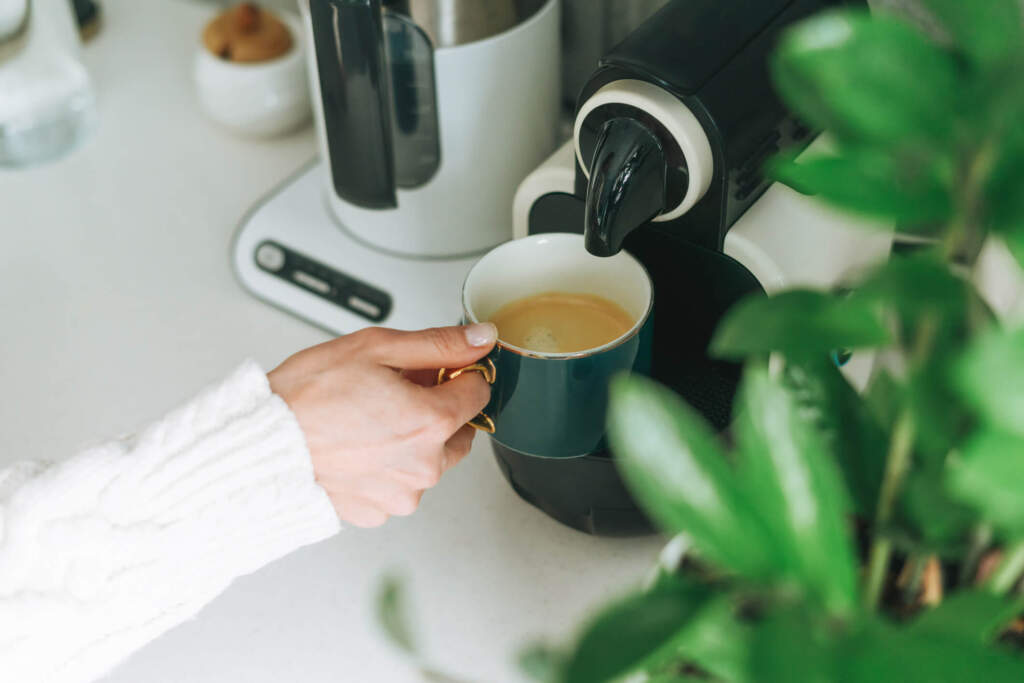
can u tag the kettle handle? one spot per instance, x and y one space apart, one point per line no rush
348 39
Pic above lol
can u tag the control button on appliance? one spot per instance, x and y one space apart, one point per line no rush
371 310
270 257
310 282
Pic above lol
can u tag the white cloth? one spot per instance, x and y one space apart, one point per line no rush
107 550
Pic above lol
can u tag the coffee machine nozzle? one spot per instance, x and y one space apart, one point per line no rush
626 187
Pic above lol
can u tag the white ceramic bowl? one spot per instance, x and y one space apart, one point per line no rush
259 99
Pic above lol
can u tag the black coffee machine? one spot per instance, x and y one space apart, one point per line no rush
670 135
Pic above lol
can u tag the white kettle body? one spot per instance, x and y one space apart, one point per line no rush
429 114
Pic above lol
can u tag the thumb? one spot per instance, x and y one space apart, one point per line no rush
437 347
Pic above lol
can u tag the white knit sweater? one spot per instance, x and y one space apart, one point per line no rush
107 550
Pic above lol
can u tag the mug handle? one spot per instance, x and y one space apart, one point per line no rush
485 367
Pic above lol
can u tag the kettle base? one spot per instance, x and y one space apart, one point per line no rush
324 275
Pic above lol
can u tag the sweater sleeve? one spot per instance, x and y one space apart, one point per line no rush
107 550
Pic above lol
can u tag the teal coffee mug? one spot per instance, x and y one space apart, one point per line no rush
553 405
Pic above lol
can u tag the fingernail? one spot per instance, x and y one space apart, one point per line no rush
481 334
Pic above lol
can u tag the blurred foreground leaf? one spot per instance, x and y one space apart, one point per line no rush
929 306
675 467
635 632
882 652
798 322
867 79
989 476
970 614
850 434
928 519
777 515
913 190
795 645
986 30
795 485
991 378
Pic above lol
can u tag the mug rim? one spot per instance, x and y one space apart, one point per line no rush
570 355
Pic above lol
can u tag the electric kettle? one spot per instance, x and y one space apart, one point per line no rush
429 113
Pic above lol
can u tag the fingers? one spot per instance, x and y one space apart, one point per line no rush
458 447
424 378
359 512
438 347
375 500
458 401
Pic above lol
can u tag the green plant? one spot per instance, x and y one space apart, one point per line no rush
845 536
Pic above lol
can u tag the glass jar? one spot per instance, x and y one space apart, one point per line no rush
47 104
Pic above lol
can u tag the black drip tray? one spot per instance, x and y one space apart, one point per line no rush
584 493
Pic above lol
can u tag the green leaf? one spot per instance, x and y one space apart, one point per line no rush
989 476
797 645
915 286
921 293
987 30
928 520
791 645
909 189
798 322
868 78
1015 243
391 614
883 398
1004 197
797 489
851 436
674 466
969 614
880 652
717 641
991 378
1005 134
629 634
943 420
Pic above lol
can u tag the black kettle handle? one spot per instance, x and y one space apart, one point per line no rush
348 39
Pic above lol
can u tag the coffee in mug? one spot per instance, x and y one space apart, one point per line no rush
541 291
561 322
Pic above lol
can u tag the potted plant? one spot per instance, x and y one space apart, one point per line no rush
844 535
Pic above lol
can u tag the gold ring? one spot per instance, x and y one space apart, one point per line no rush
482 422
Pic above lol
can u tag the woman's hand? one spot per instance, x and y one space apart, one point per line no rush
378 431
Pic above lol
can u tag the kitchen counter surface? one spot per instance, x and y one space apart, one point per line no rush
119 302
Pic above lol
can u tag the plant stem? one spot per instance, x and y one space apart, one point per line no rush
916 565
965 233
1009 570
896 465
981 537
897 462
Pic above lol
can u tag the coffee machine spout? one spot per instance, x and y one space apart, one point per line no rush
626 187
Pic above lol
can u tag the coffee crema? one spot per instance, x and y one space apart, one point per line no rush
558 322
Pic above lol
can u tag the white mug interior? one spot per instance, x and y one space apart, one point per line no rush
555 262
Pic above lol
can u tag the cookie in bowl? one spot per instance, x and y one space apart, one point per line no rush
250 71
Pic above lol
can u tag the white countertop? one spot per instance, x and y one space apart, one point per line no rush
118 302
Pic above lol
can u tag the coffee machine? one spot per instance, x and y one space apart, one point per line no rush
428 114
670 135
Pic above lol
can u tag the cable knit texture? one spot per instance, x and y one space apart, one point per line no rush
104 552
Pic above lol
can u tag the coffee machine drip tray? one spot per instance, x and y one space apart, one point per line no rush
290 252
